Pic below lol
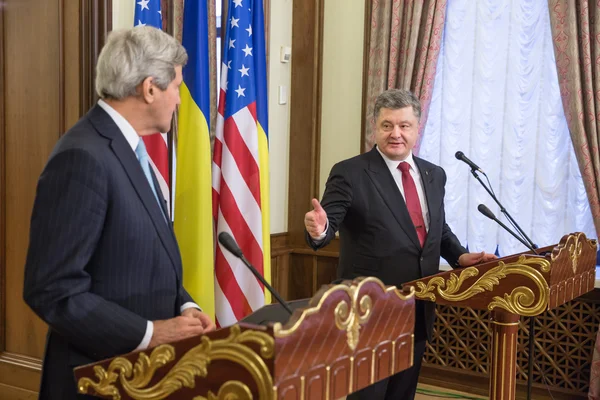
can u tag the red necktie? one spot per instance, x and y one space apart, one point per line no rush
412 201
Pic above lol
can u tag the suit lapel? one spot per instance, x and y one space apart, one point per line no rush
107 128
386 186
428 189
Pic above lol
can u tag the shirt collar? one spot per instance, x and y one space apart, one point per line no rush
392 165
126 129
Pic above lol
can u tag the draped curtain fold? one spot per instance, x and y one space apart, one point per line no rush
403 47
576 38
497 98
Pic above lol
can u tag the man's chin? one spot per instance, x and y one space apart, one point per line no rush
396 154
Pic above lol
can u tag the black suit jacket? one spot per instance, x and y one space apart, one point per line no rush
377 236
102 258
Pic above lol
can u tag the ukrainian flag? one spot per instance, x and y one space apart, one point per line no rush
193 192
262 106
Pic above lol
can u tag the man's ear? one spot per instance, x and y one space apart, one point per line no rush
148 90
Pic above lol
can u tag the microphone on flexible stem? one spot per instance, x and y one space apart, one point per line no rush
488 213
474 168
461 156
229 243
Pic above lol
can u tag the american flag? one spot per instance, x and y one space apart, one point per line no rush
148 12
240 164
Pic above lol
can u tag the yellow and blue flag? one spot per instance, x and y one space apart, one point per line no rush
193 200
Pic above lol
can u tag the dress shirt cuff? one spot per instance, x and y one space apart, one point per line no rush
147 337
189 304
322 236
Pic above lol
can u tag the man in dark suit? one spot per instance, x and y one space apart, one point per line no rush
103 266
388 206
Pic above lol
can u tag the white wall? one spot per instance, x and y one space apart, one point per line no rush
279 74
342 83
123 11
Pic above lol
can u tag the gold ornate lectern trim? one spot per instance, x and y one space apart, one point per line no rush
520 301
574 245
192 364
231 390
348 317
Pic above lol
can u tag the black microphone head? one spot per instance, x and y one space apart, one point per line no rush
229 243
459 155
486 211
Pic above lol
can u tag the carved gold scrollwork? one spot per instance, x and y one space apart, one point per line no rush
192 364
230 390
520 301
574 245
348 316
349 319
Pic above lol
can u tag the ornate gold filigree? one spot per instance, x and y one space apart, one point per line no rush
230 390
192 364
347 317
520 301
575 253
350 319
574 245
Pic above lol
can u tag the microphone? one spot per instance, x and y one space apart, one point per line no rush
461 156
229 243
488 213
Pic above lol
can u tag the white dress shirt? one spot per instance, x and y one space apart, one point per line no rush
415 174
133 139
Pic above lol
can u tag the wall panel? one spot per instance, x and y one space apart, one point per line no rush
42 73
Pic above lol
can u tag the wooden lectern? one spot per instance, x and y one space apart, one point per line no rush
350 335
522 284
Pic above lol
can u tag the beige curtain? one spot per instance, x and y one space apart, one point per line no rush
576 37
403 48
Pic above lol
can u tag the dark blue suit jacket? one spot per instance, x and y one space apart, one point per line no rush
102 259
377 235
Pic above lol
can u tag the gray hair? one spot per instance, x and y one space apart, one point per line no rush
395 99
131 55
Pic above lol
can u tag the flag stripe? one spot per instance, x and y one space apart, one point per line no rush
245 120
246 165
156 145
148 13
227 281
247 282
240 163
224 312
193 193
240 229
243 199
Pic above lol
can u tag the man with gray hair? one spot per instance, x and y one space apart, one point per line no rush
103 268
388 206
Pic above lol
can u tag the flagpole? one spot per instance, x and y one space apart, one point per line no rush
170 135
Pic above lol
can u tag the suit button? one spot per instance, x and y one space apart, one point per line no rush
421 258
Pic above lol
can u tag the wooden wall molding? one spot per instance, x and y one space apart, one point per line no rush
96 23
53 49
365 77
305 114
2 192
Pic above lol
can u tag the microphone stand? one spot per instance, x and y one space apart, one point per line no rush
503 210
532 318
